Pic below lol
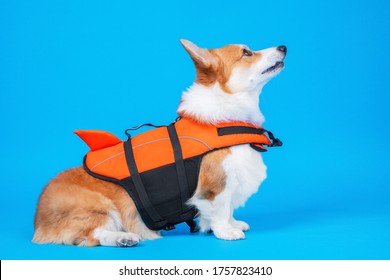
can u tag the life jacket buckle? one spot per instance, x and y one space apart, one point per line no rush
169 227
276 143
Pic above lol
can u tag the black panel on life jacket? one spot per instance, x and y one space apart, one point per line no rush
163 191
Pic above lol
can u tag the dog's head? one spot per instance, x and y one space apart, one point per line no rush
235 67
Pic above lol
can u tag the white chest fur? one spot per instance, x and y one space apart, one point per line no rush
245 172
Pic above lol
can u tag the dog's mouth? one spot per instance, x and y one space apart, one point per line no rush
278 65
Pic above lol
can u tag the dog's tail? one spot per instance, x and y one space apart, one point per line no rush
97 139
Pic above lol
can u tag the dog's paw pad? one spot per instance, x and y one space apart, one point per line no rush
123 242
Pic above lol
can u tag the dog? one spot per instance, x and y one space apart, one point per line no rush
76 208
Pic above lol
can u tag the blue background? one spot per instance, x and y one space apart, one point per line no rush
67 65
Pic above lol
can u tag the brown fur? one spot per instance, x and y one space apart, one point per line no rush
212 177
74 204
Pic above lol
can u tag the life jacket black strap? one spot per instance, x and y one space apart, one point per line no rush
239 130
139 186
275 142
193 226
180 169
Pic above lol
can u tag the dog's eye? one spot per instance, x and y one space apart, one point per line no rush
247 52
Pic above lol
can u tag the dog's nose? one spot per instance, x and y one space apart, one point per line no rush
283 49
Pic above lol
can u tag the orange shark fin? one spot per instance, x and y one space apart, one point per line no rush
97 139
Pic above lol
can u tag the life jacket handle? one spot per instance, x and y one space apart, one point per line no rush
139 126
146 124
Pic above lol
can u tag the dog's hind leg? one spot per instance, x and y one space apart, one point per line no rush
112 234
75 215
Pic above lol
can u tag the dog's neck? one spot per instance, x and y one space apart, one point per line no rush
211 105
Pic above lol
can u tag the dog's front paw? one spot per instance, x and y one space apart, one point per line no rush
229 233
204 225
240 225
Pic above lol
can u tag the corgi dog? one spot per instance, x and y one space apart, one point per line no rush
78 209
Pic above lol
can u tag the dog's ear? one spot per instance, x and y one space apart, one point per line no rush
202 57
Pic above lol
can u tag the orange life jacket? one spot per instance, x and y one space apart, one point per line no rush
159 168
